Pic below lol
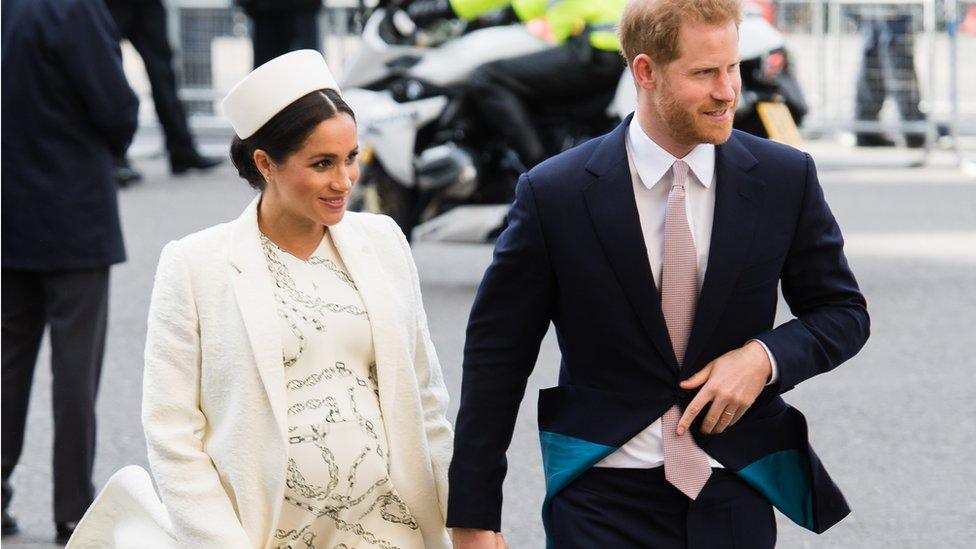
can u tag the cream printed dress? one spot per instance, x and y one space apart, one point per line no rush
338 491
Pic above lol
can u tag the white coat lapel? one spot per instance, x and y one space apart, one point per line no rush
364 268
253 288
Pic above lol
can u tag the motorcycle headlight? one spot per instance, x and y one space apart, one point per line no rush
412 90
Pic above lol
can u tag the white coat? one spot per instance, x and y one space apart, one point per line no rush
214 406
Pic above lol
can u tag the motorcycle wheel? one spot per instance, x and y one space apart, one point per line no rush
377 192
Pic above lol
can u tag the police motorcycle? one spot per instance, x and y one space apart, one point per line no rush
426 160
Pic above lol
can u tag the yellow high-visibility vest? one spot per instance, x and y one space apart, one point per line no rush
566 17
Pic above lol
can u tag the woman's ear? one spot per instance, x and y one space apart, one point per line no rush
264 164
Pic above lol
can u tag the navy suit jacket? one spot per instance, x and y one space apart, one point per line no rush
66 109
573 254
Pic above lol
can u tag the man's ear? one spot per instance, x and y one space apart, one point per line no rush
645 71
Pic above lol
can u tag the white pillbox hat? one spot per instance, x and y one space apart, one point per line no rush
273 86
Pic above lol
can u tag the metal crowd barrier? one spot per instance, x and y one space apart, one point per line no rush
919 63
825 37
212 51
961 28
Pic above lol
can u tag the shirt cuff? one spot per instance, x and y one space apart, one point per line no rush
774 374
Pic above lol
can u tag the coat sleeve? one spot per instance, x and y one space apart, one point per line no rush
510 316
201 511
88 44
433 392
831 321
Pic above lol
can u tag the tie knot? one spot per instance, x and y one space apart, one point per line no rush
679 173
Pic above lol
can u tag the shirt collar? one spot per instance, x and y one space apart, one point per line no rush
653 162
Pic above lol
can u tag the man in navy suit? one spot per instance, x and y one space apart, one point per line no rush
656 251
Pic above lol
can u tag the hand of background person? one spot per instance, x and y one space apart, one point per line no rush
731 383
541 29
472 538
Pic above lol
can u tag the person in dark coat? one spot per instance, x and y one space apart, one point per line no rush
281 26
66 109
143 24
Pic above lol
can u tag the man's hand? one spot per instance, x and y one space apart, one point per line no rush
731 383
471 538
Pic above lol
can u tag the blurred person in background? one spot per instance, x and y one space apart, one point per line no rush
887 70
143 24
281 26
584 61
67 110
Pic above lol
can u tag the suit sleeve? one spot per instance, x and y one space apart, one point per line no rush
831 321
510 316
88 43
201 511
433 392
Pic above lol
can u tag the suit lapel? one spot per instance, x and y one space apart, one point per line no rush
613 210
389 345
253 289
737 196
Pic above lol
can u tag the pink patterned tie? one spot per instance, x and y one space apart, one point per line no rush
685 464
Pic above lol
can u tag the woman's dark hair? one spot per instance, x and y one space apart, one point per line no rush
285 132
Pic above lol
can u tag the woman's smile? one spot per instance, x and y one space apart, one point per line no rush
336 202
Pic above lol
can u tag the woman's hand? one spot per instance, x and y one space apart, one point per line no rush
473 538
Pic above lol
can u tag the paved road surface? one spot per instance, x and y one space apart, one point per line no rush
895 426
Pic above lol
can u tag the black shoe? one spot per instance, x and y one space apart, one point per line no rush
125 174
873 140
65 529
181 165
915 140
10 527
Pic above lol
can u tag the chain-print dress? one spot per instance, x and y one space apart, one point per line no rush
338 491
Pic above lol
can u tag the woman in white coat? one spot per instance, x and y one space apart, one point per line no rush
292 396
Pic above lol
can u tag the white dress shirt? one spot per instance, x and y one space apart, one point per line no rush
651 167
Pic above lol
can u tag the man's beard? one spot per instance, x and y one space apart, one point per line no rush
687 126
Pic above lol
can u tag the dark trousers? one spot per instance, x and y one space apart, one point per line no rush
281 31
144 25
888 68
504 90
639 509
74 304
